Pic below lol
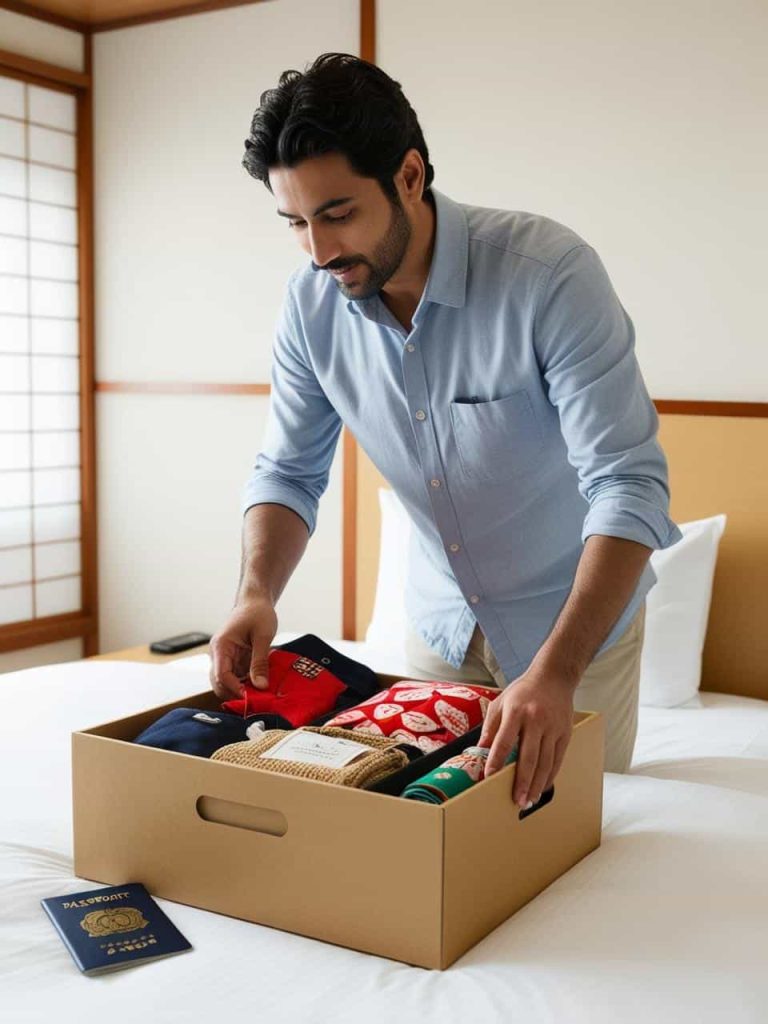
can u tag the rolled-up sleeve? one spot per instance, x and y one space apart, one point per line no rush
302 431
585 345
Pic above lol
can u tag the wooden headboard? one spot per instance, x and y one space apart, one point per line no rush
718 462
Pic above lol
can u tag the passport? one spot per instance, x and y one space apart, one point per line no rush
113 927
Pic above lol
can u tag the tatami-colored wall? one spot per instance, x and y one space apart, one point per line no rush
636 124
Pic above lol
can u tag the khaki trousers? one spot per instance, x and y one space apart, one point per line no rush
610 684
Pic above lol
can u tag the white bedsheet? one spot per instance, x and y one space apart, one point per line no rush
666 921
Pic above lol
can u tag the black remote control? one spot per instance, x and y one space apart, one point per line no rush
176 644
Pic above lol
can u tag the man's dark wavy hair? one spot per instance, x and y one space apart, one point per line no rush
339 104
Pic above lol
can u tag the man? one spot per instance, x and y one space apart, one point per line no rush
482 360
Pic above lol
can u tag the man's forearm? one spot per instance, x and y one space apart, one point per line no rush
274 540
606 577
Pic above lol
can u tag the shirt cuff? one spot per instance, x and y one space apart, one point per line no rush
262 492
636 520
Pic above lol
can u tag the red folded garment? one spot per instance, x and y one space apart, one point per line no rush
427 714
299 689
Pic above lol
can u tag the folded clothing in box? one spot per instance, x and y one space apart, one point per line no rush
427 714
307 679
324 754
453 776
192 731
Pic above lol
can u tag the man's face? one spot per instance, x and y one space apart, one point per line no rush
344 222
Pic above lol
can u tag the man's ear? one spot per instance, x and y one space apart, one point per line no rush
410 178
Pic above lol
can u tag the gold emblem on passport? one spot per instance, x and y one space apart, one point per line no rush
307 668
112 921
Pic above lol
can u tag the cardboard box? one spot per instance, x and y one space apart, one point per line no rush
402 879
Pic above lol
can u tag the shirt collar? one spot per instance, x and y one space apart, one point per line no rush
447 278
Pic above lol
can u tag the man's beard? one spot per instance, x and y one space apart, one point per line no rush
387 256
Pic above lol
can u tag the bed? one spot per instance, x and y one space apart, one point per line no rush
666 920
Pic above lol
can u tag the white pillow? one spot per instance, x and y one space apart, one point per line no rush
388 624
677 609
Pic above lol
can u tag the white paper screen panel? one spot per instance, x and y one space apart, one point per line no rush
40 481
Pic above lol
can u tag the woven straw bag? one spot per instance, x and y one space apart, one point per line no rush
383 759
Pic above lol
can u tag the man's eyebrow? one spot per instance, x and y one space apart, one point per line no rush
321 209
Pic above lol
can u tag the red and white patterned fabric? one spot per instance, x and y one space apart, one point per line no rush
426 714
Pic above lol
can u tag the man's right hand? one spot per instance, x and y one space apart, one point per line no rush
240 649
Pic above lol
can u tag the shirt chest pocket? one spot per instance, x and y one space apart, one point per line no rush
498 440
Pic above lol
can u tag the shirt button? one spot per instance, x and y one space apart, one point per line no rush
410 348
475 598
454 547
420 414
435 483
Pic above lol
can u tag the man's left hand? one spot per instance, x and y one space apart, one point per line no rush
536 712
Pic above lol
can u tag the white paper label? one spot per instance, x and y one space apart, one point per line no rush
314 748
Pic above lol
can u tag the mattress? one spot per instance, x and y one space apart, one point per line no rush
665 920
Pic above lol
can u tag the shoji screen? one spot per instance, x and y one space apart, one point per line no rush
40 493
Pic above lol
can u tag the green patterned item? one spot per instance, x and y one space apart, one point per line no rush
453 777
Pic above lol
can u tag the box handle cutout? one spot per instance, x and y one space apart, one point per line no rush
544 799
254 819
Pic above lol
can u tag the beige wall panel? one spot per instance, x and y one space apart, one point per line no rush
171 471
720 464
637 125
191 257
191 265
40 40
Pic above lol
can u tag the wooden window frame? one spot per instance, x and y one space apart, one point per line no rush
84 623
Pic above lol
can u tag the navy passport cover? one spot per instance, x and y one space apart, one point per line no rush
118 926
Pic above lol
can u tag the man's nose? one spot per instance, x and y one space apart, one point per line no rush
323 246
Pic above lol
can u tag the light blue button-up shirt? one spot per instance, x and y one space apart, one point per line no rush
512 422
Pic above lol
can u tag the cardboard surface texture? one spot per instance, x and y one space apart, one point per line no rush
203 832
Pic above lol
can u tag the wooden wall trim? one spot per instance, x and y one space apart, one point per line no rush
179 387
48 73
170 12
17 637
89 509
368 30
349 538
92 25
349 485
685 407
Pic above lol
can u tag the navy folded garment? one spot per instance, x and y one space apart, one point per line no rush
193 731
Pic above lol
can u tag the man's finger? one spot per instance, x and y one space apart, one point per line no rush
490 726
527 760
259 670
543 769
504 741
224 682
